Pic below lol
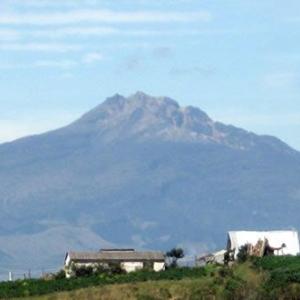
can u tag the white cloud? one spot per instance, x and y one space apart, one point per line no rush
52 3
104 16
67 75
42 47
72 31
95 31
280 80
61 64
64 64
88 58
92 57
87 3
294 19
9 35
10 66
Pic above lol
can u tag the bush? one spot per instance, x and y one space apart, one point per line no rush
83 271
225 272
234 284
275 262
87 271
234 288
115 269
228 257
38 287
243 255
283 271
61 274
173 255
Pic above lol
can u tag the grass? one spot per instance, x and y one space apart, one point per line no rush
41 287
266 278
216 283
184 289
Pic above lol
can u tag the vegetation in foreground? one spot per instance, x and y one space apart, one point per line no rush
255 278
38 287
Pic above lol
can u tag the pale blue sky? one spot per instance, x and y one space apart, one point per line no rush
239 60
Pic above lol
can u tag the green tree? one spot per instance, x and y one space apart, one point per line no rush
173 255
243 253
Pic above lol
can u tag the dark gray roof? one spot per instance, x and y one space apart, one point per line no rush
116 256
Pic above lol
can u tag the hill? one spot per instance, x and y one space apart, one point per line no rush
256 278
140 172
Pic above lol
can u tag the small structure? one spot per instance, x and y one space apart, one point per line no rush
255 243
211 258
127 259
262 243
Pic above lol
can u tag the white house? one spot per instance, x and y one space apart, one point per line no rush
128 259
286 241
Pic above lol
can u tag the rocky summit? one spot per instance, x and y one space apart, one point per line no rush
140 172
145 118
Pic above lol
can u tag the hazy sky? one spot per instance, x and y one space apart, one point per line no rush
239 60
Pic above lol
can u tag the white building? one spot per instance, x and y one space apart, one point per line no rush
276 239
128 259
211 258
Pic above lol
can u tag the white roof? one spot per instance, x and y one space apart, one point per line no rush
275 238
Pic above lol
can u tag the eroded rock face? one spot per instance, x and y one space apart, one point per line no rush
145 117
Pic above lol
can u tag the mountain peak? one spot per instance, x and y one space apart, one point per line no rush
141 95
116 99
144 98
141 116
146 116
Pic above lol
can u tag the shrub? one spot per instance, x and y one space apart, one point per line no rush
115 269
243 253
83 271
234 288
225 272
175 254
275 262
283 271
228 257
38 287
61 274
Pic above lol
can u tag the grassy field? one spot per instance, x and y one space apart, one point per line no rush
217 284
267 278
184 289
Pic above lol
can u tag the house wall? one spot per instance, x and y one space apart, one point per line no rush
67 261
159 266
69 272
127 266
132 266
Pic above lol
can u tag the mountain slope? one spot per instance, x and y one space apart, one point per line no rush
145 172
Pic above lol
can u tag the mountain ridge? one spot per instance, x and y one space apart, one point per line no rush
193 116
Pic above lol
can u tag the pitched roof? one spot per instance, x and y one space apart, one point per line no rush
116 255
